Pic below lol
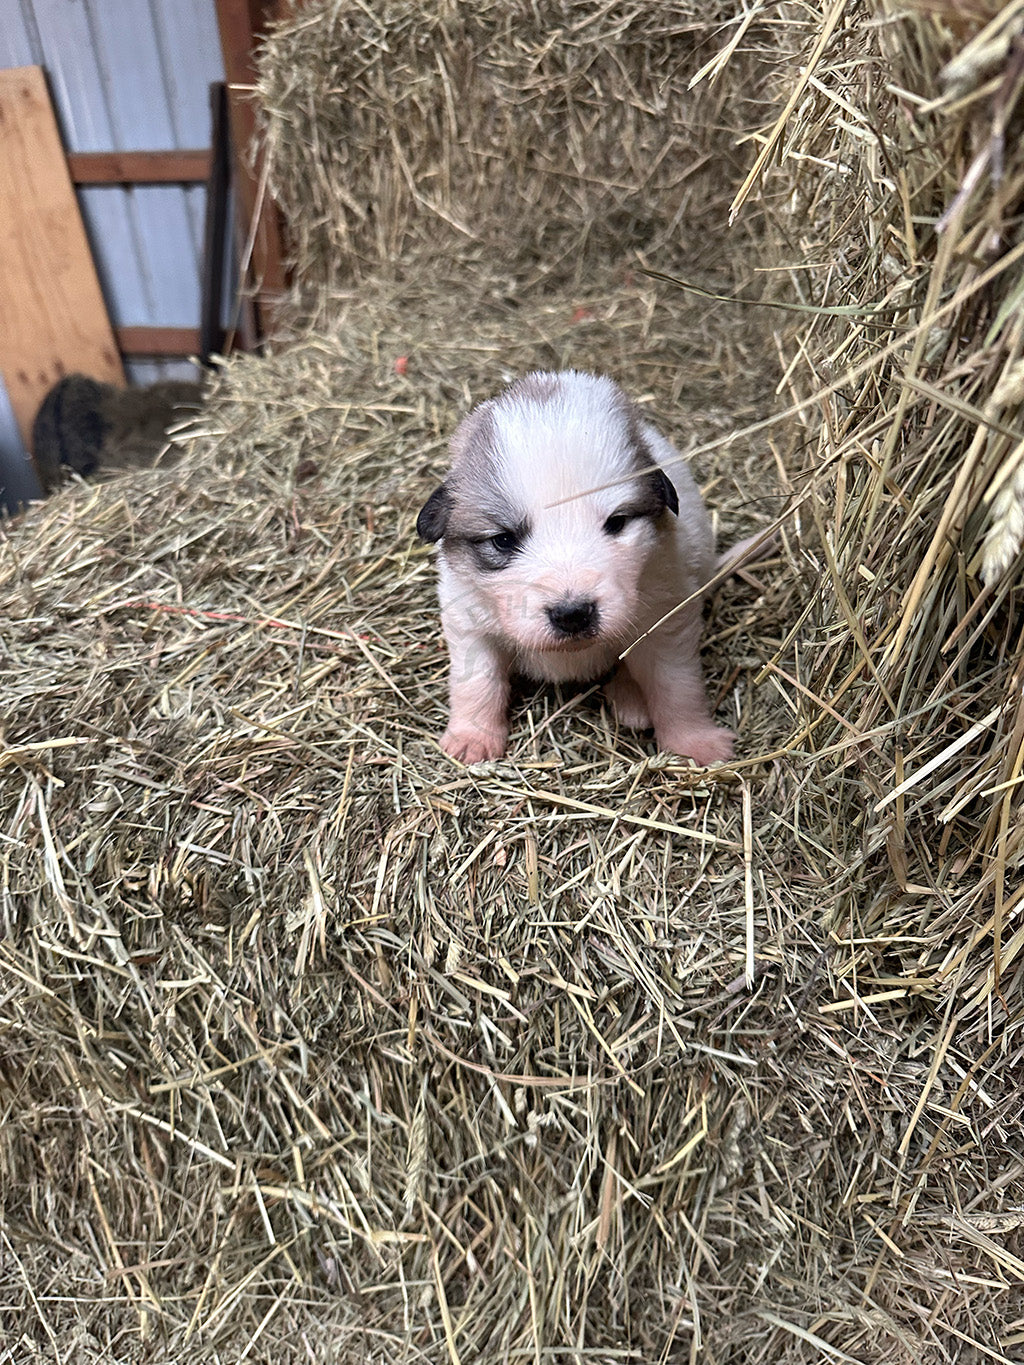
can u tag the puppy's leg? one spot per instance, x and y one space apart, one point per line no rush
668 673
479 693
684 726
627 701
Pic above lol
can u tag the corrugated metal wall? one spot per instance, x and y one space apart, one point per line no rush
128 75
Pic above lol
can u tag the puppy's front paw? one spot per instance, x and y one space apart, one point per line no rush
470 745
703 742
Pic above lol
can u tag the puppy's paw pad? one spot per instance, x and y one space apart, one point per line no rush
703 743
473 746
627 702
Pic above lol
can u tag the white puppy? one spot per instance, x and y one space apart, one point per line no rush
547 572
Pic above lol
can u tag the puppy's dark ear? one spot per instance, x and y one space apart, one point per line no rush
432 521
659 490
659 487
664 490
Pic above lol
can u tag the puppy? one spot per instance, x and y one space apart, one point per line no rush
546 571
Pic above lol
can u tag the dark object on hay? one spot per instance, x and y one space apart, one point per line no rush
83 425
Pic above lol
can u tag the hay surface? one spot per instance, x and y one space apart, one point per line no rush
317 1046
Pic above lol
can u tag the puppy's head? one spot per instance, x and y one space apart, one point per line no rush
553 558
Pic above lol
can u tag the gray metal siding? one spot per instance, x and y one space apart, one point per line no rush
128 75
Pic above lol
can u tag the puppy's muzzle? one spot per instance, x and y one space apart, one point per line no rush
574 620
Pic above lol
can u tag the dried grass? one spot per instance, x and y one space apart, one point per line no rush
317 1046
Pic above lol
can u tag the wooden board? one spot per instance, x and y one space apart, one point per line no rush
160 341
140 168
241 23
54 316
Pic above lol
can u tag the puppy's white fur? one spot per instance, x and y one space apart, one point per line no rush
546 571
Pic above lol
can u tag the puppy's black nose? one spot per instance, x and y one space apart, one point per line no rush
573 619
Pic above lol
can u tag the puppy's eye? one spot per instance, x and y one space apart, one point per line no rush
496 552
616 524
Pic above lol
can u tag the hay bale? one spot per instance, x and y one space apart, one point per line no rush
539 138
345 1020
319 1047
904 164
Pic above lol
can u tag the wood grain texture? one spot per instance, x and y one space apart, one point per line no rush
54 316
